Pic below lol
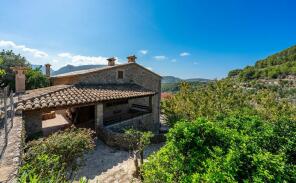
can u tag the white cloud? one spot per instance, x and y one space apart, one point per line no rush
160 57
81 60
22 48
143 52
150 68
184 54
55 61
65 55
173 60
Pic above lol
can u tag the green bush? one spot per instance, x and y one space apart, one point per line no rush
57 157
239 148
221 98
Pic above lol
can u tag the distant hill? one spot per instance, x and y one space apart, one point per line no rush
173 79
172 84
277 66
71 68
170 79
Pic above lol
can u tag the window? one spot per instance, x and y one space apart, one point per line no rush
120 75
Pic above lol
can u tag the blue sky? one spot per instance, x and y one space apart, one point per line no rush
188 38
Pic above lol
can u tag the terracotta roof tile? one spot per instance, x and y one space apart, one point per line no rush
70 95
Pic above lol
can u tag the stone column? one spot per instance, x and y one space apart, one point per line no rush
155 112
99 112
20 79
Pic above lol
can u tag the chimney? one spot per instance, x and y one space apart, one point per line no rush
47 70
20 79
111 61
131 59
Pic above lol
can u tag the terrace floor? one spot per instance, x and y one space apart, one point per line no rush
109 165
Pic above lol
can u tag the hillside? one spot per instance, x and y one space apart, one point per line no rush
71 68
278 66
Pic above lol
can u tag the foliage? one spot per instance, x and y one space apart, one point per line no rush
279 65
224 97
58 156
175 87
138 142
237 148
141 139
10 59
36 79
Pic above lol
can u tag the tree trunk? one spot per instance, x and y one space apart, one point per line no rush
137 168
142 162
142 157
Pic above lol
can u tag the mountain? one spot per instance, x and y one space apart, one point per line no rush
197 80
173 79
71 68
277 66
170 79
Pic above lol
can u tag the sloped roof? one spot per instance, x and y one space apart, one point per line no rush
72 95
87 71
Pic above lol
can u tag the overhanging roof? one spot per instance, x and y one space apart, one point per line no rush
64 96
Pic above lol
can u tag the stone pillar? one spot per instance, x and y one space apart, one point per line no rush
99 112
47 70
156 111
20 79
150 103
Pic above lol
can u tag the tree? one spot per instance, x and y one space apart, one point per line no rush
36 79
138 142
10 59
238 148
234 72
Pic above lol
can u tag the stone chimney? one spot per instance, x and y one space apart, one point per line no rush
131 59
111 61
20 79
47 70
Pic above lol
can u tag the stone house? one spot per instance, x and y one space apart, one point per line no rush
114 97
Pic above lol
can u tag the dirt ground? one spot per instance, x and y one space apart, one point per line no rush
109 165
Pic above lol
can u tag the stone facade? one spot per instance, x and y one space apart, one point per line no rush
132 73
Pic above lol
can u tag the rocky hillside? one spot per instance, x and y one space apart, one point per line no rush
281 65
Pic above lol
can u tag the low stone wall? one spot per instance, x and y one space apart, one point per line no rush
11 159
143 122
121 140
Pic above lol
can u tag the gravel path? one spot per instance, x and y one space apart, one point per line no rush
109 165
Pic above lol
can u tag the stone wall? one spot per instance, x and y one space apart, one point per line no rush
11 159
121 140
33 122
141 122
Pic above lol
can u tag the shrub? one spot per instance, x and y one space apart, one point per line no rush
58 156
222 98
234 149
